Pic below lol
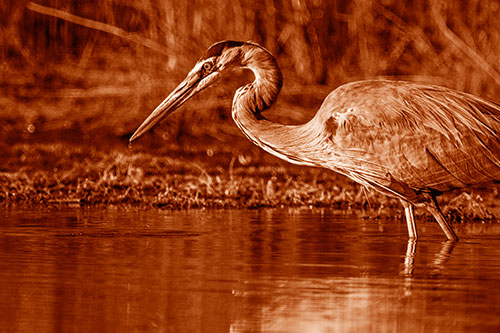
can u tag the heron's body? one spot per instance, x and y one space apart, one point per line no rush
406 140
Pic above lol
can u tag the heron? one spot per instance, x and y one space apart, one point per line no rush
406 140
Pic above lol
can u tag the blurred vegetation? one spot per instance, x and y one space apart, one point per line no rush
57 74
82 75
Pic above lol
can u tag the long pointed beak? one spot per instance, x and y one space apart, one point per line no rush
182 93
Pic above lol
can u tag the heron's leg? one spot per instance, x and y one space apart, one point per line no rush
433 207
410 219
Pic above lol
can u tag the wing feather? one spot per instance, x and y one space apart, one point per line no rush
426 137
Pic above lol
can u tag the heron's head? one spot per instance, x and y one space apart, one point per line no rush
206 71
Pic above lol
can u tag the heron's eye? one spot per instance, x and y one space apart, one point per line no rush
207 66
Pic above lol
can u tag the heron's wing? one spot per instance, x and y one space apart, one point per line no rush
425 137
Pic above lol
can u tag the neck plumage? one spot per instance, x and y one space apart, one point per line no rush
290 142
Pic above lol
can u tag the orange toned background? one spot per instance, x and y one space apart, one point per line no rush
99 67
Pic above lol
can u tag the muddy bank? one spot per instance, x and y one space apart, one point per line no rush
190 174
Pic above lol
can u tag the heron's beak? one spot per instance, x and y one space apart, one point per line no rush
185 90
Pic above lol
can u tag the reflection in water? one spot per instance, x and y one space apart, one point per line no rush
439 259
410 256
444 254
282 270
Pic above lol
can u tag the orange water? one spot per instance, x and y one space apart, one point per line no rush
270 270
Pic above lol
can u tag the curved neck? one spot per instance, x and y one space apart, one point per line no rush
263 92
289 142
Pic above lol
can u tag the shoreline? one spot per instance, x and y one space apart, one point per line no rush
193 175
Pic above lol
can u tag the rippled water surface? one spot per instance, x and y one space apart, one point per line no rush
271 270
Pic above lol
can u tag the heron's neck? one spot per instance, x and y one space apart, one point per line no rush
285 141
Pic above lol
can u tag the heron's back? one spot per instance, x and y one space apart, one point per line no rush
426 137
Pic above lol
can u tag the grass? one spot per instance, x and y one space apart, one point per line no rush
76 80
65 64
51 174
191 175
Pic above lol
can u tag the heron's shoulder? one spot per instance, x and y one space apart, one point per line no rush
381 92
365 100
400 106
395 99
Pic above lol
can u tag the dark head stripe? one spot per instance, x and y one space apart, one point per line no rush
216 49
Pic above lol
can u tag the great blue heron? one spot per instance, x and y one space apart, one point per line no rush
407 140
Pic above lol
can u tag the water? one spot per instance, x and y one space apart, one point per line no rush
270 270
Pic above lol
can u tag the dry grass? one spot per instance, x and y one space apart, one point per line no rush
190 176
105 66
51 174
